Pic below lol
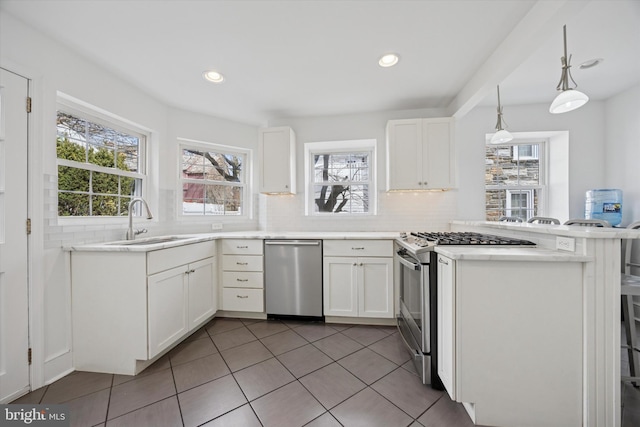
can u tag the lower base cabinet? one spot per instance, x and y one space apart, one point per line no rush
358 286
130 307
510 340
179 300
242 275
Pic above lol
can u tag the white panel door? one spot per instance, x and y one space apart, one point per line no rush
404 151
340 286
375 287
203 292
167 308
14 313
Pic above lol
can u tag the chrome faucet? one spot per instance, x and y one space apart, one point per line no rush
131 233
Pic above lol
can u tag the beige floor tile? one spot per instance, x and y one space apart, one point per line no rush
290 405
369 409
304 360
141 392
332 385
262 378
199 371
165 413
210 400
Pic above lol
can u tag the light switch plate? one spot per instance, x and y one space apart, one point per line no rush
216 226
565 244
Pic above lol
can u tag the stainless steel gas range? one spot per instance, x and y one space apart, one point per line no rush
417 318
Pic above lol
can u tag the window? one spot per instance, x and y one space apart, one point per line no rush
514 180
340 177
213 179
100 165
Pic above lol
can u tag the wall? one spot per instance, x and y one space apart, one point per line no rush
622 150
396 211
586 130
54 68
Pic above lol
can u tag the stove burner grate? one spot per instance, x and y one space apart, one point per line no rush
462 238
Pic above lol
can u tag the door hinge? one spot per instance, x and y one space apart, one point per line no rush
28 104
28 225
29 356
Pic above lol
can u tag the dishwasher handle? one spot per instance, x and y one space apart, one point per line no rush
292 243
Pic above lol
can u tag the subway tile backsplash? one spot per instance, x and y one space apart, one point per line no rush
396 212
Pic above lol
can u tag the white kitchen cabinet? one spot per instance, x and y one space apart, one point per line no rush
358 286
507 330
179 300
131 306
420 154
242 275
446 323
277 153
167 308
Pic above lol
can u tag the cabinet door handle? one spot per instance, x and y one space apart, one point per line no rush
357 249
242 247
242 263
361 264
189 271
242 296
441 261
355 264
242 280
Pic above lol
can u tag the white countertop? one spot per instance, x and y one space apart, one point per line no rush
560 230
475 253
127 246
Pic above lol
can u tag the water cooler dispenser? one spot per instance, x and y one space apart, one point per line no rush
604 204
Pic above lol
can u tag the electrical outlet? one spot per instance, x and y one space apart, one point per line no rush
216 226
565 244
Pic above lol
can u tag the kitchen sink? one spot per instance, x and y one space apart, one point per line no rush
150 241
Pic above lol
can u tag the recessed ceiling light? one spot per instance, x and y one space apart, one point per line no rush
388 60
213 76
590 63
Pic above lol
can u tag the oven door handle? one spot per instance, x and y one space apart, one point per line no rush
403 261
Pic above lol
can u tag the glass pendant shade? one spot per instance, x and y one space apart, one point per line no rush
568 100
501 136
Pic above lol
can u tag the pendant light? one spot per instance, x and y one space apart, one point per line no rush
569 98
501 135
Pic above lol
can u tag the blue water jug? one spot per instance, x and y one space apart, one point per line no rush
604 204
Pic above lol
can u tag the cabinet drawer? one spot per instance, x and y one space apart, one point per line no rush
165 259
378 248
242 247
242 279
241 299
242 263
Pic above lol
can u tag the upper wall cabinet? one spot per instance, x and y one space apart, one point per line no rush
420 154
277 160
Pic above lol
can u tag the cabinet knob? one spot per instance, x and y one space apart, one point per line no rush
355 264
286 186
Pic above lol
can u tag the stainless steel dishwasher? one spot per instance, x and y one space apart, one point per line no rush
293 278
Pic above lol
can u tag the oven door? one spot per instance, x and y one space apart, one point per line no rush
413 319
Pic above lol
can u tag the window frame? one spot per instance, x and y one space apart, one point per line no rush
90 113
540 154
340 147
246 181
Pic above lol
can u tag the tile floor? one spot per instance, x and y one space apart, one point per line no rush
248 373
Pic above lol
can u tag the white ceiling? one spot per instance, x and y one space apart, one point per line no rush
316 58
